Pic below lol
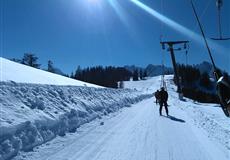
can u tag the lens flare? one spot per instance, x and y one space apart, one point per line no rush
119 11
178 27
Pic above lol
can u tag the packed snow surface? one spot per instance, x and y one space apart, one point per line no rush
193 131
33 114
12 71
47 105
44 116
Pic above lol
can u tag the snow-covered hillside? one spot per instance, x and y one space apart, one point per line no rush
46 105
12 71
193 131
46 122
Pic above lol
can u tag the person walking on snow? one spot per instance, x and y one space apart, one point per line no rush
163 98
156 94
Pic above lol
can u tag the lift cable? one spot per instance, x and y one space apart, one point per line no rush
223 87
163 83
205 40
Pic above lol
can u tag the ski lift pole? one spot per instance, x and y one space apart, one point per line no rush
205 40
171 50
175 68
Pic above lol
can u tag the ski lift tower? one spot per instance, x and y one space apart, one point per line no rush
171 50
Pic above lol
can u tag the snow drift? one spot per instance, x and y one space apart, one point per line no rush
33 114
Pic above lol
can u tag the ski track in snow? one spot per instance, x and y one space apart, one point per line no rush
195 131
136 133
38 113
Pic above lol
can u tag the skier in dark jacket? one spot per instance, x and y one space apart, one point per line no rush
163 98
156 94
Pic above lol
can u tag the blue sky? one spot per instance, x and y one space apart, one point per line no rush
107 32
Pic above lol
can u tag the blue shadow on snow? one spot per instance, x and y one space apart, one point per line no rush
175 119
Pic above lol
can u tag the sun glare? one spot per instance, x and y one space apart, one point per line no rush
176 26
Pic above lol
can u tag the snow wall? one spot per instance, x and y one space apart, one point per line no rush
32 114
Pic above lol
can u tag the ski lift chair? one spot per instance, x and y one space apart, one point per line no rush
223 92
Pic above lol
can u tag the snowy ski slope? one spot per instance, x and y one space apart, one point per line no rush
194 131
44 106
62 119
12 71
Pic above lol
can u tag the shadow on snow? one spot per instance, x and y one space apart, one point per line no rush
175 119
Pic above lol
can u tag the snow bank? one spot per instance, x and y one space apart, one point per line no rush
32 114
211 119
12 71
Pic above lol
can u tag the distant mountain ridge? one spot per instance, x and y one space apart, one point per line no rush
205 67
151 70
155 70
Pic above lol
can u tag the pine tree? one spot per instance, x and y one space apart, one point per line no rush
135 75
145 74
205 81
141 74
50 66
78 73
31 60
71 75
